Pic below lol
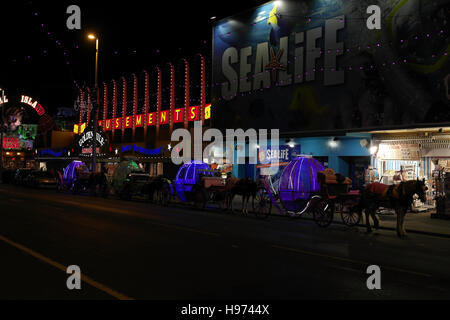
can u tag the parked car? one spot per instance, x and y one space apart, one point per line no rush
20 176
134 185
41 179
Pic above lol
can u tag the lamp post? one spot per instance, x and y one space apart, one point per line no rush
95 103
1 132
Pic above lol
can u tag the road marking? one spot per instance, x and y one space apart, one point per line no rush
349 260
63 268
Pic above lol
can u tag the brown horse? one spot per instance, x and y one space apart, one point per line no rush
398 197
245 187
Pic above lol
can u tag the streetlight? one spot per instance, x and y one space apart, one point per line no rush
1 130
94 37
95 104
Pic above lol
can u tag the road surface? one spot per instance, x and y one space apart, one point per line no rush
137 250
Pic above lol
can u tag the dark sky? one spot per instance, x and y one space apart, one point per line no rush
41 58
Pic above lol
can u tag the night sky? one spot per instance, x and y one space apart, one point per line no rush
41 58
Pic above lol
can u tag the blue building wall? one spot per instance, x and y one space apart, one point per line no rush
346 147
320 147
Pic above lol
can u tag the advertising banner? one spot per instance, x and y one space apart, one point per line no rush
268 157
399 152
316 65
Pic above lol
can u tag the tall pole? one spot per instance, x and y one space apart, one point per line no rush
94 110
96 63
1 132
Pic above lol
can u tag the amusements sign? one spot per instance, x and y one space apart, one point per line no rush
399 152
151 120
314 65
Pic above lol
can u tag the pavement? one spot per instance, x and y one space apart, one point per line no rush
137 250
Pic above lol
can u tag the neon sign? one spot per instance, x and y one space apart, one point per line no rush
11 143
89 135
135 148
34 104
51 152
151 119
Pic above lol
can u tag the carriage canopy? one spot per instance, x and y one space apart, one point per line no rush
71 172
298 182
189 175
123 169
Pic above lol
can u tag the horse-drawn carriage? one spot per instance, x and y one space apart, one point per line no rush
196 182
75 178
129 180
306 186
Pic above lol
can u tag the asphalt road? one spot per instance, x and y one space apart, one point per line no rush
138 250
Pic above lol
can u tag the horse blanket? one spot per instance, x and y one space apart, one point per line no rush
377 188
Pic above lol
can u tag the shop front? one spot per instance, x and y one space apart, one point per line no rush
414 154
348 155
18 153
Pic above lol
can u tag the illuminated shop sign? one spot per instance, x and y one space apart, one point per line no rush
51 153
151 152
152 119
11 143
89 135
85 140
89 150
34 104
284 154
2 101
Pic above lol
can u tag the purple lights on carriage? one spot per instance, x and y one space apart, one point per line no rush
298 182
70 172
188 176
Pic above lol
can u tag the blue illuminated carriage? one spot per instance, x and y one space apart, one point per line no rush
196 182
75 177
306 186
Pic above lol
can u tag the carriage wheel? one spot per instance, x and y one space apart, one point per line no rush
261 203
351 217
323 213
